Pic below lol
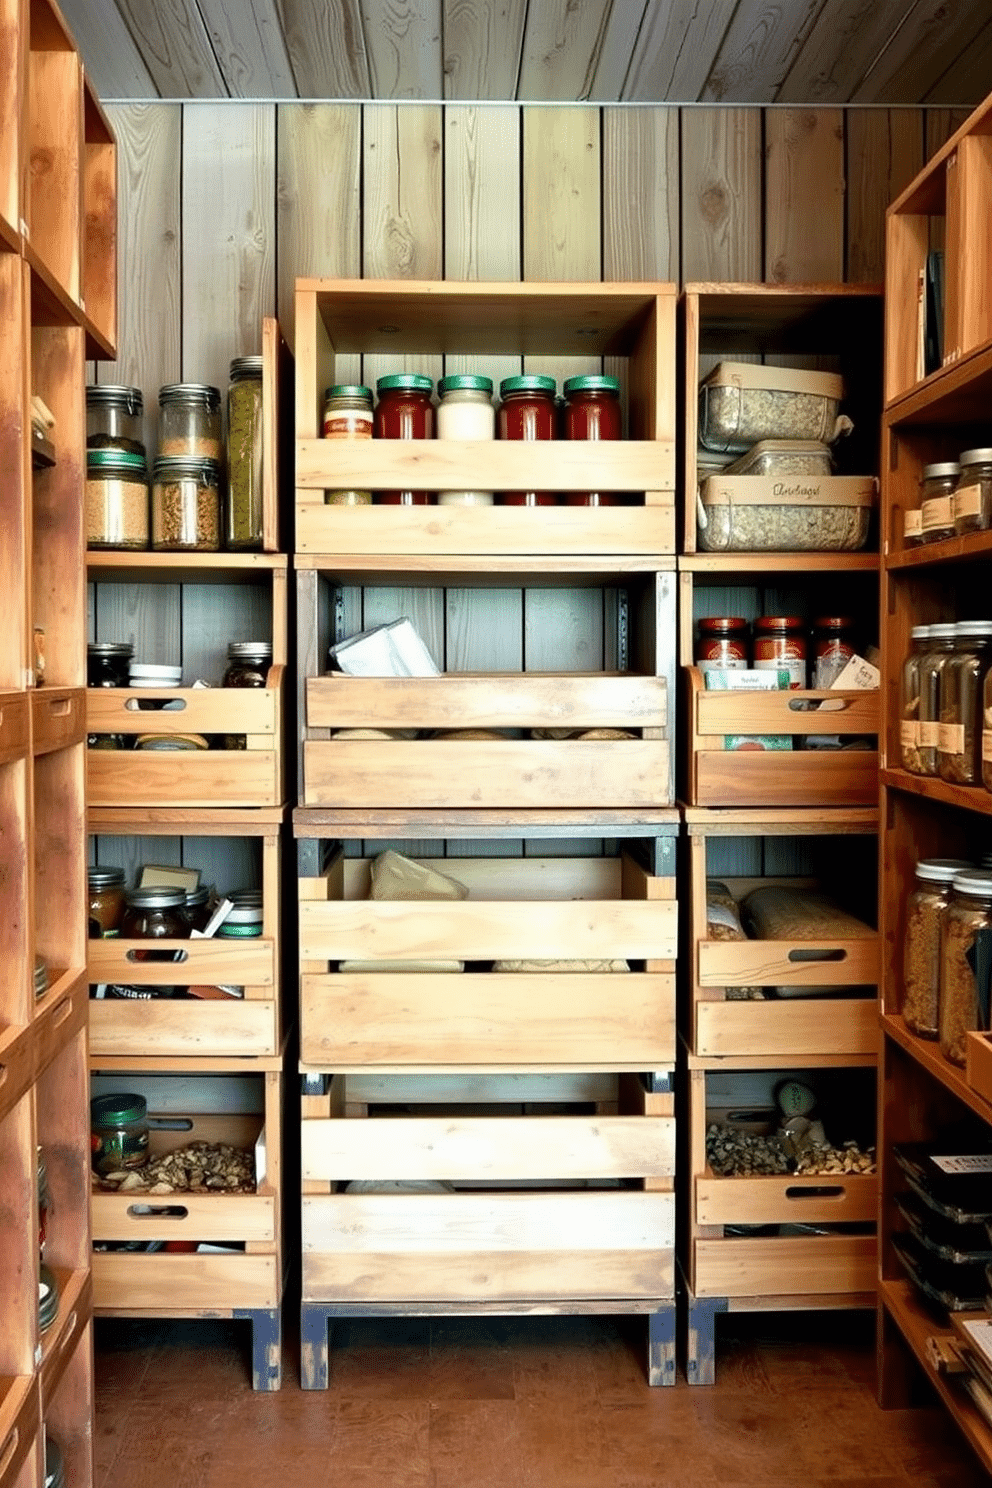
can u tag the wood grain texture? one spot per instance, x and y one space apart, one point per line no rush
484 630
758 47
933 36
841 47
226 295
562 46
481 193
561 226
173 41
215 615
402 200
482 41
424 607
318 197
675 50
110 55
969 76
248 43
146 615
884 153
641 194
563 630
941 123
326 47
804 196
403 44
721 204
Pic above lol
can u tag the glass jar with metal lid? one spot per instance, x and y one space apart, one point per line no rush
243 513
119 1132
968 914
248 664
106 901
932 661
189 421
244 922
116 499
780 646
925 909
592 411
465 412
527 411
972 500
723 642
115 418
909 702
832 648
186 505
155 914
404 411
937 484
960 737
198 905
108 663
348 415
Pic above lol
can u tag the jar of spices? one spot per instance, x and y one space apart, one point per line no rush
960 735
925 909
186 505
722 643
780 645
115 419
938 651
197 906
348 415
108 663
909 702
189 421
465 412
972 500
116 499
833 648
404 411
106 900
243 515
527 411
155 914
592 411
969 912
118 1132
937 485
248 664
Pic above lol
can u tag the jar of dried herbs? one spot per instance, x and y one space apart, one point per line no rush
115 419
243 524
959 744
925 910
189 421
939 649
969 912
186 505
937 485
909 702
972 500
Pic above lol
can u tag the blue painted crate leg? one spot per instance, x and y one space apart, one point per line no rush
700 1364
314 1348
266 1348
661 1346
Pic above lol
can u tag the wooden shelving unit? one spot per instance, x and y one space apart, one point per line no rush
922 1094
778 817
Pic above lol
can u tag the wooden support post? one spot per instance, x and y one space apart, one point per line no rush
700 1363
314 1346
266 1346
661 1346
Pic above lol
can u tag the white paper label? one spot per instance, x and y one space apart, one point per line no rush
972 1163
950 739
929 735
987 745
937 512
912 523
909 733
796 668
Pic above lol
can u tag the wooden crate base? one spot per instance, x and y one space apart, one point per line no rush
128 1283
815 1265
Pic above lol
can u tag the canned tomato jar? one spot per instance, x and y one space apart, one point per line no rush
780 645
722 642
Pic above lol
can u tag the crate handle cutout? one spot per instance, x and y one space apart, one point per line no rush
817 1191
9 1448
60 706
158 1211
146 956
170 1123
804 954
3 1074
62 1012
812 705
155 705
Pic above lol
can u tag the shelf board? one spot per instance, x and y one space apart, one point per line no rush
927 1054
772 563
483 571
10 237
780 317
779 821
779 1061
918 197
51 303
951 550
959 393
311 821
199 1064
181 568
965 797
916 1325
175 821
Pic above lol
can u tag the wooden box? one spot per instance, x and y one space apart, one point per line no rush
58 718
15 726
98 299
54 199
787 1269
518 908
20 1424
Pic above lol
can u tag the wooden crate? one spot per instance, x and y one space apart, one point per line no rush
58 718
15 726
518 908
820 1265
53 206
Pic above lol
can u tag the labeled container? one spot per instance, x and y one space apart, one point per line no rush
108 663
909 702
116 499
186 505
592 411
780 645
971 504
243 520
527 411
248 664
118 1132
959 743
106 901
783 457
926 908
932 662
155 914
751 513
953 1183
969 912
348 415
465 412
189 424
404 411
244 922
723 642
937 485
832 648
115 419
741 403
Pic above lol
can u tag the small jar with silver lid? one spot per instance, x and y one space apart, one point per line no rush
105 884
937 484
115 418
155 914
244 922
108 663
248 664
198 906
189 421
972 499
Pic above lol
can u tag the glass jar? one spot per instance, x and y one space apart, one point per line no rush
348 415
118 1132
106 899
969 912
909 702
960 737
937 484
833 648
972 501
115 419
722 643
155 914
189 421
186 506
244 922
108 663
404 411
243 514
248 664
465 412
54 1464
925 909
527 411
938 650
116 500
198 907
592 411
780 645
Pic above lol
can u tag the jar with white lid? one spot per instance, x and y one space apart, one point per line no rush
972 499
937 483
465 412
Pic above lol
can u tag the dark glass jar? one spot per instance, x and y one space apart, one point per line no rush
526 411
404 411
592 411
108 663
780 645
197 907
106 898
155 914
115 418
833 648
722 643
243 511
118 1132
248 664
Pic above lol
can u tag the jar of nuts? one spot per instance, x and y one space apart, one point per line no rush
969 913
925 910
186 505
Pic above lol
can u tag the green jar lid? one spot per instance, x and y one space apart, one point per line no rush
466 381
591 385
109 1110
349 390
106 461
533 384
411 382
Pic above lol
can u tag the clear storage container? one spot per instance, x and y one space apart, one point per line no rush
969 912
116 500
937 483
909 702
971 504
925 910
932 663
748 513
115 418
189 421
741 403
186 505
243 517
959 741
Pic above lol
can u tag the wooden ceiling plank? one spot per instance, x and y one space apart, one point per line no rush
482 42
318 197
613 61
804 196
758 49
721 204
112 61
403 42
641 194
481 193
174 43
968 78
675 50
884 153
933 35
326 47
844 44
941 123
248 43
402 207
562 46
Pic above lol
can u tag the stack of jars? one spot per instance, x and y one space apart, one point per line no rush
811 656
948 953
945 716
955 498
528 410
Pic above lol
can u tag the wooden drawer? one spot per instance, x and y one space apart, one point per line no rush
787 1199
20 1423
17 1065
487 1246
167 1285
15 734
779 1266
58 718
60 1015
805 1026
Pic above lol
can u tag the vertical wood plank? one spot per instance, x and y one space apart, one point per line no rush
146 615
226 862
804 196
941 123
563 44
482 41
641 193
402 210
481 193
561 194
563 630
884 153
758 48
424 607
132 853
213 615
484 630
721 203
110 55
674 50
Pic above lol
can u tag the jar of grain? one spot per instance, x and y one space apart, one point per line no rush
925 909
116 499
972 500
937 485
465 412
909 702
186 505
960 735
932 661
189 421
969 913
115 419
243 517
348 415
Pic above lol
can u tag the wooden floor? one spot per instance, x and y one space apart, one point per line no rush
533 1403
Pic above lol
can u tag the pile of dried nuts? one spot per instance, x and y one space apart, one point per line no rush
737 1154
847 1159
210 1166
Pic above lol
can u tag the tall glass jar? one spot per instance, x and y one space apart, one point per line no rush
404 411
925 909
106 896
348 415
969 912
909 702
938 650
972 501
189 421
243 517
186 506
960 738
527 411
937 484
197 906
465 412
592 411
115 419
108 663
116 499
155 914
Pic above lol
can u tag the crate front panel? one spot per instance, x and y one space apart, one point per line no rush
814 1265
213 1217
213 777
822 1198
15 731
166 1026
124 1282
58 718
205 710
487 1247
797 1026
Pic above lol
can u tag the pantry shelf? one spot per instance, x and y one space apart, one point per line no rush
926 1053
952 550
964 797
775 563
384 823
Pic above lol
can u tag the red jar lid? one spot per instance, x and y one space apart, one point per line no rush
833 622
719 624
779 622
